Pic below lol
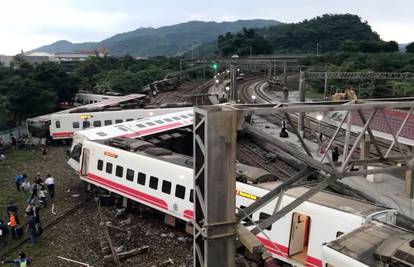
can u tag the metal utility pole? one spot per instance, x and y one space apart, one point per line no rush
317 49
325 87
301 121
214 187
233 86
181 69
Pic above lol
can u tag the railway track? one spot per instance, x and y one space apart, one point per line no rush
45 229
325 128
257 155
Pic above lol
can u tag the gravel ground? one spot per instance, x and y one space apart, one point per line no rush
78 235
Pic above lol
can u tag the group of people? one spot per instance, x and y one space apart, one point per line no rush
37 199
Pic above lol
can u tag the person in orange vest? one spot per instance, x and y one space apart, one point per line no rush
12 224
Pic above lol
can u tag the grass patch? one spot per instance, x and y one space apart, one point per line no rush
16 162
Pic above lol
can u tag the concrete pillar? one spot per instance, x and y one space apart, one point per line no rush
214 187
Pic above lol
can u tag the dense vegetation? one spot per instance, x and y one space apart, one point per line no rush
28 90
410 48
247 42
326 33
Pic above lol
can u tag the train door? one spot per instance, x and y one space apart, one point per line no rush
85 160
299 237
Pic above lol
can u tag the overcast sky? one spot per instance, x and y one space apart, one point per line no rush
27 24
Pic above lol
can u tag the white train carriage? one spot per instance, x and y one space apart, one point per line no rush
163 180
81 99
372 244
63 126
40 126
133 129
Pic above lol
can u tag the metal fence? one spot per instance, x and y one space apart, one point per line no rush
16 132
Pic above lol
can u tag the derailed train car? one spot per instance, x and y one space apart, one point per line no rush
159 178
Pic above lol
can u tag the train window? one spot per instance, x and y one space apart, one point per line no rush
141 178
263 216
130 175
141 125
129 119
75 124
176 118
109 167
190 115
150 123
166 187
339 233
168 120
119 121
184 116
86 124
107 122
153 182
57 124
191 195
100 165
159 121
101 134
180 191
90 101
119 171
97 123
76 152
122 128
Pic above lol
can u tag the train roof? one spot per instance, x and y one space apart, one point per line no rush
331 200
374 243
141 127
103 104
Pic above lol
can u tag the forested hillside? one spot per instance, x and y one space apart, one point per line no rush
326 33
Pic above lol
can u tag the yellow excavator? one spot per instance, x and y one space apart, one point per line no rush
348 94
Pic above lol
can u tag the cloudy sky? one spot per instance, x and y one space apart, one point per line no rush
27 24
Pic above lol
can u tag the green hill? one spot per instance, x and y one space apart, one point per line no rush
328 31
168 40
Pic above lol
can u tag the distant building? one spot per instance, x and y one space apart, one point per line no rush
5 60
38 57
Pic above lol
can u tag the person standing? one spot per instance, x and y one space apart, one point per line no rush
3 233
43 149
19 180
13 141
13 225
31 229
335 154
50 183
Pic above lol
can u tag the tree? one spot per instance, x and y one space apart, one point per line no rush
410 48
53 77
244 43
28 98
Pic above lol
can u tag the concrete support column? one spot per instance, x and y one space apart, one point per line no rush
214 187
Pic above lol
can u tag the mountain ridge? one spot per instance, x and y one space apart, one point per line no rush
166 40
